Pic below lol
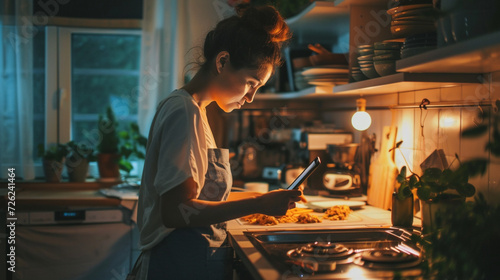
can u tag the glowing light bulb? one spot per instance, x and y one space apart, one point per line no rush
361 120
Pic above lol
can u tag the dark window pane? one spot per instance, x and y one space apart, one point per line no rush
105 71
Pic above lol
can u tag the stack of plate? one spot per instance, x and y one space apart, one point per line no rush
365 60
385 55
326 75
418 43
412 19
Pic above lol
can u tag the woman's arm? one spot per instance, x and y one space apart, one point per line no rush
180 208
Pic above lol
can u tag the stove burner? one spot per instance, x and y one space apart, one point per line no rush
322 251
387 258
321 256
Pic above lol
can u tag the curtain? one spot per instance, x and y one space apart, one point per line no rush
173 32
16 85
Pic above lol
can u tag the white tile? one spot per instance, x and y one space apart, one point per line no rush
493 194
449 132
495 86
451 93
404 157
382 100
475 93
472 147
406 98
406 123
432 94
426 139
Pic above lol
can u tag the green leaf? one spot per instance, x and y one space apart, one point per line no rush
125 165
475 131
424 192
402 175
124 134
466 190
413 182
404 193
431 175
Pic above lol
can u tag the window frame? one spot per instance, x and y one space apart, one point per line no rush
58 78
58 91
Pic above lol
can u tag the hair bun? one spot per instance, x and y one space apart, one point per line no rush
268 19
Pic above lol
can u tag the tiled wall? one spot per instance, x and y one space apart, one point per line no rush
436 128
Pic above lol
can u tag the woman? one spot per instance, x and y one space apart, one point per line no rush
186 181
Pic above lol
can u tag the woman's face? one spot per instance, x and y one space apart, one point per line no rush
232 88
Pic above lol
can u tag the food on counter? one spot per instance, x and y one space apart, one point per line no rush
307 218
299 215
260 219
337 212
290 217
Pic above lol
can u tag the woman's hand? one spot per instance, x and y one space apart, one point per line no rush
276 203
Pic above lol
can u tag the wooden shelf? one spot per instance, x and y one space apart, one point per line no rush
399 82
477 55
321 21
310 92
402 82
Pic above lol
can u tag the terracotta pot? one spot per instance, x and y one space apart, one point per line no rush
430 209
52 170
108 165
77 169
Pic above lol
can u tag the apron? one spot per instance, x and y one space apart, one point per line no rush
199 252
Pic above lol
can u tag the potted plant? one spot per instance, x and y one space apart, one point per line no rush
108 155
463 244
439 188
52 160
132 147
77 161
118 148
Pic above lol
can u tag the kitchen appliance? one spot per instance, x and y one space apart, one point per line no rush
367 253
342 175
316 143
75 243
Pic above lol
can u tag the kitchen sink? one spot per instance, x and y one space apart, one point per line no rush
374 253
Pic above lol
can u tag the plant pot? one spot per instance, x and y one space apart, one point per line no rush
77 168
108 166
430 209
402 211
52 170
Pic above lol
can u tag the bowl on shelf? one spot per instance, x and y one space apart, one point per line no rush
370 72
385 67
387 56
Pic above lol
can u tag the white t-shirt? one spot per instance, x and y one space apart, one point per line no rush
177 149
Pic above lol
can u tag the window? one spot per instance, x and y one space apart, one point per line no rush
86 70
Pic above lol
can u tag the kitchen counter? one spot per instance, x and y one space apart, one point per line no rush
257 264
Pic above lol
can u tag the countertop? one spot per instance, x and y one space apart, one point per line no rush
258 265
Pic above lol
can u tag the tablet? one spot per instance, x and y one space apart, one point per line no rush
308 171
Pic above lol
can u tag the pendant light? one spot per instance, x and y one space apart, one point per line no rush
361 120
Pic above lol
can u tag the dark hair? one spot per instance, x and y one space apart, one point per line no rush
251 40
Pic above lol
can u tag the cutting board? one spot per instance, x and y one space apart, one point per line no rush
383 172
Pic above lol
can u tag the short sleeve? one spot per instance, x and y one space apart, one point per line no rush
180 149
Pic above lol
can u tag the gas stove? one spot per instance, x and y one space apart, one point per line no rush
363 253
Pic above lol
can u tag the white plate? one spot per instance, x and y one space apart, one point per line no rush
323 205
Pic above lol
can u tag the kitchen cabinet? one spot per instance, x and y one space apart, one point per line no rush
454 65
